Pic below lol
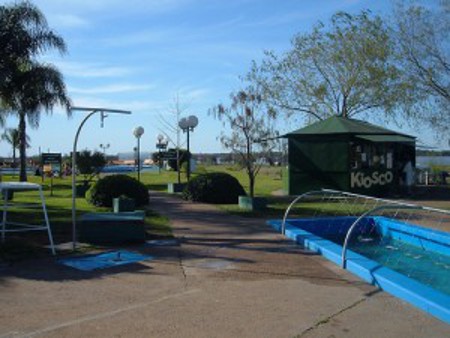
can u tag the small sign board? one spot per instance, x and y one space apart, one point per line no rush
52 160
169 155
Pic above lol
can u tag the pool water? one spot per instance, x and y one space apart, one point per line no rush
407 260
127 168
429 268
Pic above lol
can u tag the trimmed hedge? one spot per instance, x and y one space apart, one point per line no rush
105 189
216 188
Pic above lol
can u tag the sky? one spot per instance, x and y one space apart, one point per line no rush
144 56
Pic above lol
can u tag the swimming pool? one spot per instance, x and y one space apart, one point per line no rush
404 259
127 168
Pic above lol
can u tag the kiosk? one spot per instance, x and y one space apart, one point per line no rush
349 155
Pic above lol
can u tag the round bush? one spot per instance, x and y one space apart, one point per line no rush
218 188
113 186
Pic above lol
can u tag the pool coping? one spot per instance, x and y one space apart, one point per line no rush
424 297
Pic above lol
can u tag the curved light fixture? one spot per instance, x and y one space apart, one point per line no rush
103 115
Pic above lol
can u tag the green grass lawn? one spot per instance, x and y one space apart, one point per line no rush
268 182
59 209
58 198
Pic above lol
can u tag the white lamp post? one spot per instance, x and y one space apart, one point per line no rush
187 125
138 132
161 145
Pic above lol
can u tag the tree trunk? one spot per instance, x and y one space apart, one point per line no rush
22 148
251 178
344 107
178 166
14 154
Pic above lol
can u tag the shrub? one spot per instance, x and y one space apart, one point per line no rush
109 187
218 188
90 165
184 155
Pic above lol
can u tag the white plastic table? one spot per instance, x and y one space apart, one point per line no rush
6 187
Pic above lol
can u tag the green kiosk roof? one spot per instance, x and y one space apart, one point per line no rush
336 125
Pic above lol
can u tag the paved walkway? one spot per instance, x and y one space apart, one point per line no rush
228 277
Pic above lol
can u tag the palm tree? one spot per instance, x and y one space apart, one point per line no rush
26 86
11 136
24 34
40 88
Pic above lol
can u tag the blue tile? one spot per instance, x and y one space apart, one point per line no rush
104 260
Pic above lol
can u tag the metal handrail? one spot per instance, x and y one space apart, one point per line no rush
283 223
367 213
389 204
447 212
346 193
322 191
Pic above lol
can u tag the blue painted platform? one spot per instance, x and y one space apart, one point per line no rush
104 260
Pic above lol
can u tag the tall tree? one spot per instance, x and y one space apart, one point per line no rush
342 68
90 164
423 52
11 136
28 87
171 129
249 131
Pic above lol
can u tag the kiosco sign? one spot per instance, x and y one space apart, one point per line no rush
361 180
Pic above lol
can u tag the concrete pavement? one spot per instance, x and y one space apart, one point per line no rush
228 277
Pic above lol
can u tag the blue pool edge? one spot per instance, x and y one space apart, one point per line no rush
425 298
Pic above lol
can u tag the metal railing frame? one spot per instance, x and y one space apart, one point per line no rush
389 204
366 214
336 192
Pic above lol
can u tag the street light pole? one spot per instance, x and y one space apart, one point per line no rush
138 132
139 158
188 173
188 125
161 144
159 161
